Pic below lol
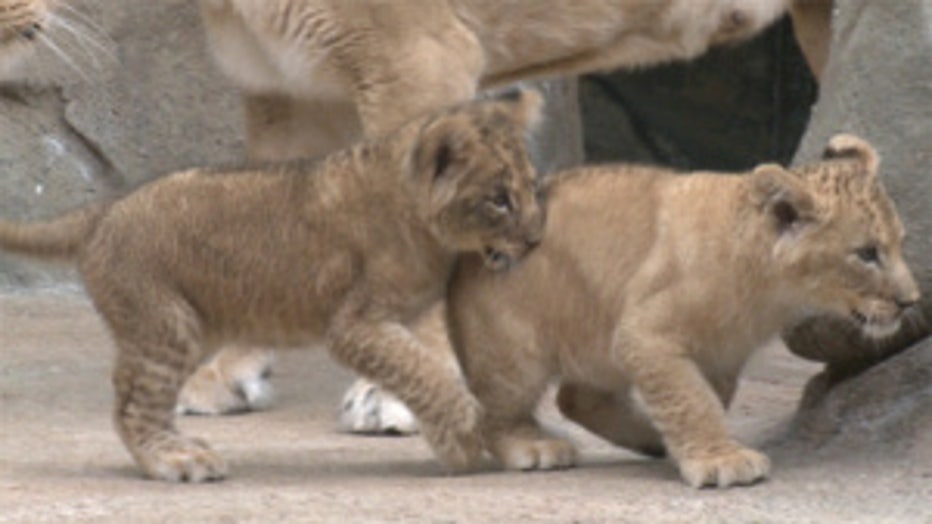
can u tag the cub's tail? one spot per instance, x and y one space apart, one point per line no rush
59 238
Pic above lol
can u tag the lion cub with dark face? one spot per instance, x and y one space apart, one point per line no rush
349 252
650 292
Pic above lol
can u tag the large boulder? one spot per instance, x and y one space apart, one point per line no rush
877 84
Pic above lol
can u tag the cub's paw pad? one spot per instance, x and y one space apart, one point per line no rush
369 409
740 466
208 392
180 459
537 454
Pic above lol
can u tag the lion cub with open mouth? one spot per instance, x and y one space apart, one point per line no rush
650 292
347 252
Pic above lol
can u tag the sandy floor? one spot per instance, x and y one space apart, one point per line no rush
61 461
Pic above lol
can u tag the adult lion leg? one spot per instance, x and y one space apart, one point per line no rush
689 414
285 128
614 416
425 73
812 24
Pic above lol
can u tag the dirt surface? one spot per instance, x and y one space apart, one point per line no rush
61 461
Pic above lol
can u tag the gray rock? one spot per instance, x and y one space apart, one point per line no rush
878 84
140 100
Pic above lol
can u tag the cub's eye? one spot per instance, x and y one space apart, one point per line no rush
501 202
868 254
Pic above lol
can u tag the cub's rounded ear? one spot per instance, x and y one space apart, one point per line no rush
844 146
783 196
528 106
441 145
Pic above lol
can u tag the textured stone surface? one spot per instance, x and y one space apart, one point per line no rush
878 84
141 101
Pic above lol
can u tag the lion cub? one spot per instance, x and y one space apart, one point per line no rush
349 251
650 292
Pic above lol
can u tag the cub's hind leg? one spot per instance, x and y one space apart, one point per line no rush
159 345
508 379
509 394
614 416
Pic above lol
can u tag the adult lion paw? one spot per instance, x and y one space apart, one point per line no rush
233 382
739 466
369 409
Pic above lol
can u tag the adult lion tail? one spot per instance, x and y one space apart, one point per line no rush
59 238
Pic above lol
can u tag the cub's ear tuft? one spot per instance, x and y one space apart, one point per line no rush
783 196
845 146
528 106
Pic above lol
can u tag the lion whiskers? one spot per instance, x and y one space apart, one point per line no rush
87 38
62 55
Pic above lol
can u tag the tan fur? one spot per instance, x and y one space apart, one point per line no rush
812 25
347 252
21 21
651 290
328 68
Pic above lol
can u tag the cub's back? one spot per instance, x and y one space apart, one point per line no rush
601 225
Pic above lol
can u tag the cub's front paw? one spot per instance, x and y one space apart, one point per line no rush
455 434
536 453
737 466
369 409
176 458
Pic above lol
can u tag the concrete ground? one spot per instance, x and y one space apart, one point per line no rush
60 460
